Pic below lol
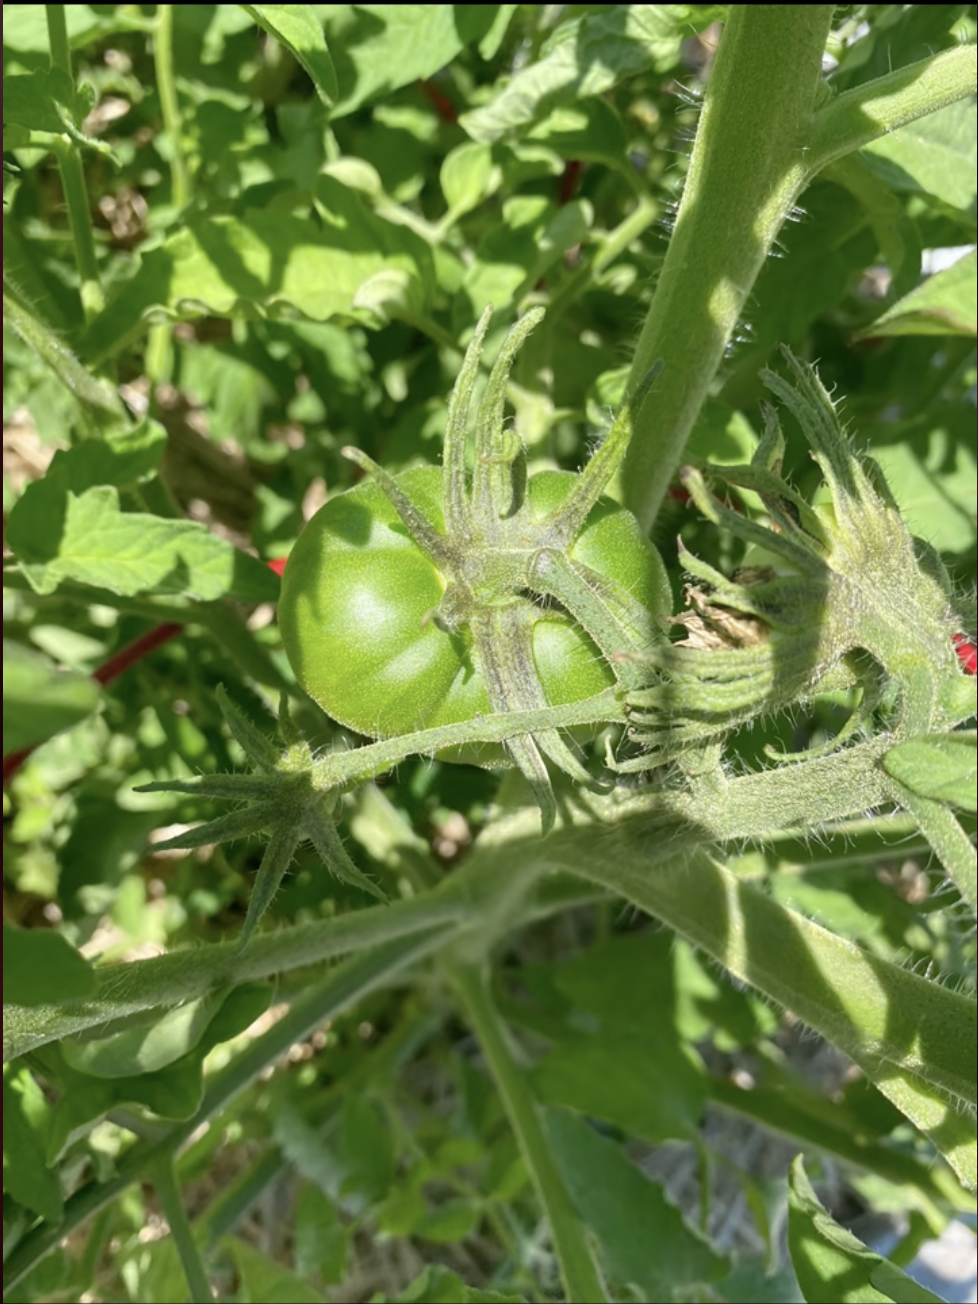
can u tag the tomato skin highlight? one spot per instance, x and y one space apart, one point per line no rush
359 596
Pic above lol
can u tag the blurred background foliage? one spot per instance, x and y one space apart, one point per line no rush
281 277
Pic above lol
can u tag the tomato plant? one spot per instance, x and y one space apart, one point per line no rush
423 601
676 546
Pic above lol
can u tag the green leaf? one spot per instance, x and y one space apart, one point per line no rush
58 535
124 459
172 1092
944 305
41 968
931 470
438 1285
39 700
587 56
449 1221
942 766
378 48
629 1214
43 101
50 103
262 1278
25 28
466 177
936 155
322 1241
748 1280
26 1121
516 254
650 1087
832 1266
589 130
298 29
145 1049
366 1150
269 264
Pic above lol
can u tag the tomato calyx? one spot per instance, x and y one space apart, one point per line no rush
851 601
501 559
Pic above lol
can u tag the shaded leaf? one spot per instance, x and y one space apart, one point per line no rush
26 1121
41 968
649 1087
590 130
298 29
833 1267
172 1092
377 48
264 1279
937 154
58 535
932 472
25 28
145 1049
438 1285
588 56
48 101
366 1150
39 700
122 459
629 1214
942 766
946 304
266 263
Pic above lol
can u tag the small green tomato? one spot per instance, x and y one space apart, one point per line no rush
359 598
436 596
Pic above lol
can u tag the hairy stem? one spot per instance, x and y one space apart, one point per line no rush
100 404
746 171
164 1179
165 84
58 38
73 177
582 1284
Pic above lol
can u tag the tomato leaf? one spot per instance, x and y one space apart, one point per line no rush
378 48
299 30
26 1123
942 766
628 1213
651 1087
39 700
224 266
832 1265
42 968
59 535
936 155
587 56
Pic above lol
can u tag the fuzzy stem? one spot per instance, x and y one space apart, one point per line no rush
746 171
880 107
163 59
100 405
73 177
661 822
58 38
79 215
582 1283
164 1179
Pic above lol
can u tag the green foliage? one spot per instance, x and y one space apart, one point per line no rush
292 1014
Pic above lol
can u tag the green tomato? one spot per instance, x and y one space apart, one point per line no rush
359 597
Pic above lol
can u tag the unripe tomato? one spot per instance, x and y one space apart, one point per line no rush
358 597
